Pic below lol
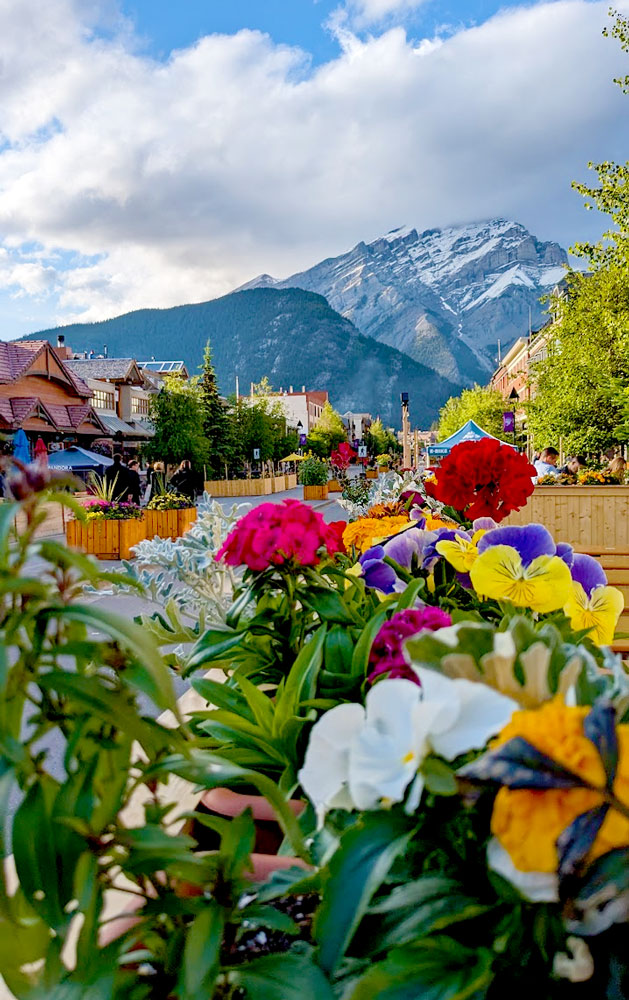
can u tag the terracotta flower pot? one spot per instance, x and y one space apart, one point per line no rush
269 836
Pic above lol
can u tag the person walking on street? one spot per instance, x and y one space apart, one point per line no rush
133 476
117 478
546 465
185 481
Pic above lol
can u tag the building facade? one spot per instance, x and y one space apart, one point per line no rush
40 394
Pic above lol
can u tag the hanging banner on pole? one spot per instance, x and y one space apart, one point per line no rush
508 422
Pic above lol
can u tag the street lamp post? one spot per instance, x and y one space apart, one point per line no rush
406 430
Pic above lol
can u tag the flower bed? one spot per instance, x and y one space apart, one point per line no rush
239 487
105 538
169 523
433 684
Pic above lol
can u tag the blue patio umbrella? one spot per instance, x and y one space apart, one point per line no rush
21 447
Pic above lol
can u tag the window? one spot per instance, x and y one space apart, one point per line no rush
139 406
103 400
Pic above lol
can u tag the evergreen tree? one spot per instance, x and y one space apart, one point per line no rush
216 423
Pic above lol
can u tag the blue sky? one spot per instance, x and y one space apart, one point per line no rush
172 156
164 25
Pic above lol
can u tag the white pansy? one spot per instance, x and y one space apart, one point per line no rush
325 774
538 887
364 758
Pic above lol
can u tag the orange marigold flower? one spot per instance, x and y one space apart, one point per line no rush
368 531
387 510
528 822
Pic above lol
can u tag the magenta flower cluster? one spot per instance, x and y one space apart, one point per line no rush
387 654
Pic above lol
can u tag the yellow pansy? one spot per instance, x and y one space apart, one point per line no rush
599 612
543 585
527 822
461 552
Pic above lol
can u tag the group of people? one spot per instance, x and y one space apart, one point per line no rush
547 464
126 483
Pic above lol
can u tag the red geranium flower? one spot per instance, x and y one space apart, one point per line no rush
483 479
274 534
343 457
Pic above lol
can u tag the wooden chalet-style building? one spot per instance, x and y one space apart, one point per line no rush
41 395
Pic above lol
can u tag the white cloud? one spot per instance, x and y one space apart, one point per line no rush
149 184
363 13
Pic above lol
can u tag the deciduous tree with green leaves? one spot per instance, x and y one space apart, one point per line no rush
582 388
177 414
481 404
328 432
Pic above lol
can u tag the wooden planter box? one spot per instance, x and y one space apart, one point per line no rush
592 518
382 469
279 484
169 523
290 481
371 474
239 487
316 492
334 486
105 539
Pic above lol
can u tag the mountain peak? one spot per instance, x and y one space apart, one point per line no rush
444 296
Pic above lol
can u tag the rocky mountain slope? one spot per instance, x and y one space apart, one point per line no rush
292 336
444 296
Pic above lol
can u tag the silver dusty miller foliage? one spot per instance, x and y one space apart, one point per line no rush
182 577
385 489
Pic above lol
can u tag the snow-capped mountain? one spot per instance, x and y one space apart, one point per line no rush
443 296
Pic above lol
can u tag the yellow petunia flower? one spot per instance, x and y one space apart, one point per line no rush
543 585
368 531
528 822
599 612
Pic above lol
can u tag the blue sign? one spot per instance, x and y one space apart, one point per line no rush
508 422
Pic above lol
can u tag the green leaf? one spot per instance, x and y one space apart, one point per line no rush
106 705
360 658
301 682
282 977
34 853
201 957
259 703
213 645
356 870
223 696
328 604
438 777
434 969
339 650
148 674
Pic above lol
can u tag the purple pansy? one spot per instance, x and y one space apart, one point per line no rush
407 544
484 524
376 573
529 540
431 556
565 552
588 572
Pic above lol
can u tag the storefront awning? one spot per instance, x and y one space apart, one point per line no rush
117 426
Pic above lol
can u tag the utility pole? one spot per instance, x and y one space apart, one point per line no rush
406 432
